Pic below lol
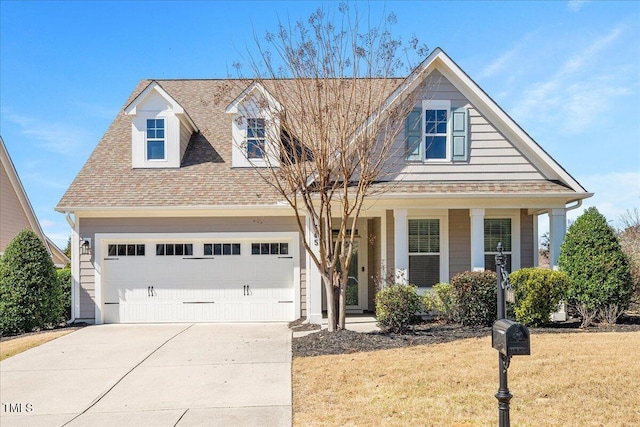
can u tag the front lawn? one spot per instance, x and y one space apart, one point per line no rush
571 379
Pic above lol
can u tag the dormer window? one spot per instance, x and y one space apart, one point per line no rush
255 128
255 138
160 129
155 139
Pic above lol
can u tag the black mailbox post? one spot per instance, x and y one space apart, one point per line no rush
508 337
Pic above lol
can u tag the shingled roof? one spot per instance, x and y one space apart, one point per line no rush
206 177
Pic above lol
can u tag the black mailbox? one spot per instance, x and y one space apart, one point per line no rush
511 338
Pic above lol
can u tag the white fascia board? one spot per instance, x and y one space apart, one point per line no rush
505 124
176 108
234 106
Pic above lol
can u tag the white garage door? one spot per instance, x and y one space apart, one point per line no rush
198 280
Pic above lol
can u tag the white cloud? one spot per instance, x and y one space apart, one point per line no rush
510 60
576 5
615 193
65 139
579 87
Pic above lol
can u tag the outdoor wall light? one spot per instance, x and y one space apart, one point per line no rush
85 245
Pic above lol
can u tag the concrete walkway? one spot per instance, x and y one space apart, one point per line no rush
354 322
152 375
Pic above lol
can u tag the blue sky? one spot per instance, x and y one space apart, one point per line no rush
567 71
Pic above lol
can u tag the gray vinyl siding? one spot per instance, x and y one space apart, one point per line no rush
185 136
527 249
87 287
491 155
303 290
459 241
375 261
90 226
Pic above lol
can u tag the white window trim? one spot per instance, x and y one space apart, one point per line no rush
515 234
435 105
444 242
164 140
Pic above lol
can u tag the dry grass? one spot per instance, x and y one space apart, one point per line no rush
577 379
13 346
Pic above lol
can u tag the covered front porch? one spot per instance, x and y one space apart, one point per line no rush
425 245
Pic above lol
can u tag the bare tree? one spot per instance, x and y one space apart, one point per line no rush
629 235
331 108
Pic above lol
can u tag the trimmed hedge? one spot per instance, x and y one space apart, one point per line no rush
64 280
476 297
443 300
397 307
538 293
30 294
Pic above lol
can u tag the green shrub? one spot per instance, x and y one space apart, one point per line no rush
64 281
476 297
538 293
397 307
441 299
30 295
598 271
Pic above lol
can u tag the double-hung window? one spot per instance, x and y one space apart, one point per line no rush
435 132
424 252
155 139
255 138
497 230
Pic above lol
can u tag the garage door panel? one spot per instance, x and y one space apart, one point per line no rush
222 288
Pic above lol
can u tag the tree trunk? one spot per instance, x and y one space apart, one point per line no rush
331 307
342 313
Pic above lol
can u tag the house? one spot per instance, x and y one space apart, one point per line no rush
16 212
172 223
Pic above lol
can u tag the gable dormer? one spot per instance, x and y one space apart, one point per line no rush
255 122
160 129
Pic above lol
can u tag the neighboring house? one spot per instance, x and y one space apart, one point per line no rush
171 223
16 212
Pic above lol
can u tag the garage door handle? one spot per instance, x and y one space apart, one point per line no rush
150 292
246 290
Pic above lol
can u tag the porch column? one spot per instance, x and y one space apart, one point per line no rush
477 239
536 243
557 230
383 246
401 238
314 280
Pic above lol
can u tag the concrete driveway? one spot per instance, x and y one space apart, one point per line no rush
152 375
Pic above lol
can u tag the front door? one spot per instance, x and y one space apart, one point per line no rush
357 283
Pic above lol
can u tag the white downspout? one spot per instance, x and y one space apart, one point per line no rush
75 270
576 206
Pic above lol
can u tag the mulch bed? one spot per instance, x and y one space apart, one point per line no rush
345 342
